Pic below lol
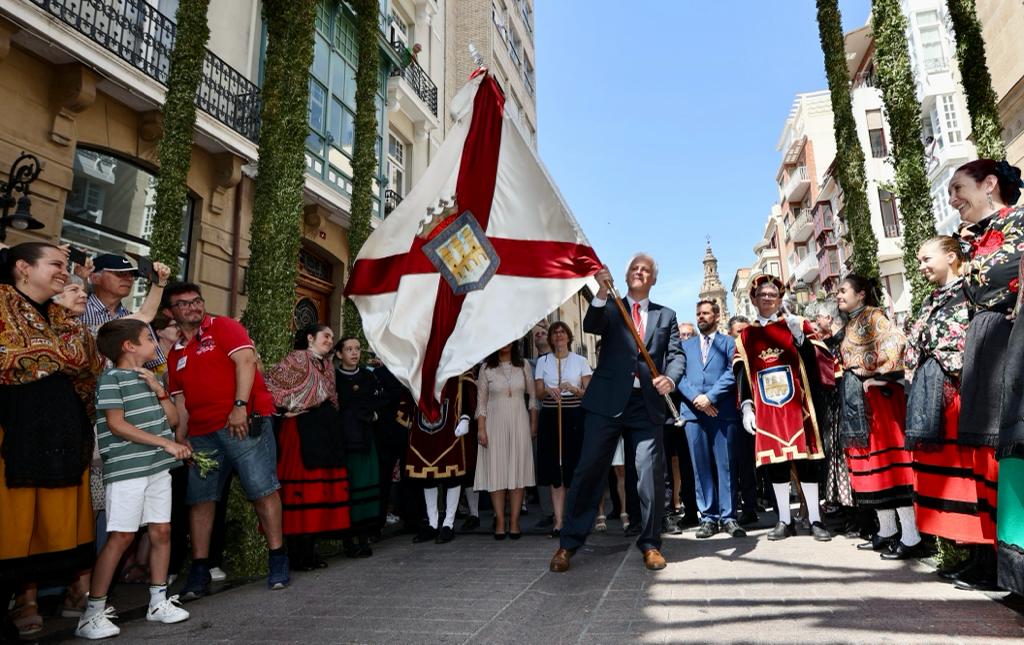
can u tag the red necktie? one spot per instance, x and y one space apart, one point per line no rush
637 321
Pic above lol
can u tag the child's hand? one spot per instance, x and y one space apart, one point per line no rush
151 380
177 450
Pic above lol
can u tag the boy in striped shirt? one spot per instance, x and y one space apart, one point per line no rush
134 429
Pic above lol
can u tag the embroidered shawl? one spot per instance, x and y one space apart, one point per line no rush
302 381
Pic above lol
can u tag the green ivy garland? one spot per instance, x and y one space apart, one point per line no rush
276 230
849 155
982 102
364 157
174 152
903 110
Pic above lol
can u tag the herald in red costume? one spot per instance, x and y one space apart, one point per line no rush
773 374
435 455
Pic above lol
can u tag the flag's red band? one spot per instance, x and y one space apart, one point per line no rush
523 258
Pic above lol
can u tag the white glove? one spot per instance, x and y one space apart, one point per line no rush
462 429
796 328
749 420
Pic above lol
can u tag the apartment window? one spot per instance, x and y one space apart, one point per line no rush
515 45
949 118
399 29
833 262
890 218
932 56
396 164
500 18
774 269
894 286
876 134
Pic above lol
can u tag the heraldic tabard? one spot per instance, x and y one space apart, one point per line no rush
434 452
772 373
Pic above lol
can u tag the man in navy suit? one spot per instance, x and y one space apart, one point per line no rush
623 400
708 388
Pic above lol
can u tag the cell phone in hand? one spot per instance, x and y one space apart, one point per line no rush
146 269
77 256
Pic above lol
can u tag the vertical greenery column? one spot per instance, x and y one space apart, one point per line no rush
276 231
892 64
174 152
849 155
982 101
364 157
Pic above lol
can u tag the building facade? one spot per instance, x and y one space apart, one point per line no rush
1002 24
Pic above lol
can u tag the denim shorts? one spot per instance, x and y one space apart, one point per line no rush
253 458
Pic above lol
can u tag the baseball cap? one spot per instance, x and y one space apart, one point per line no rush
111 262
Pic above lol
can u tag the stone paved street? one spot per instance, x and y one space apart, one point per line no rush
476 590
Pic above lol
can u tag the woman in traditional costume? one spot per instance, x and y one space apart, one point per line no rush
48 370
946 492
874 415
311 454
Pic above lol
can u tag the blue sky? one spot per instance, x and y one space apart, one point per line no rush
659 119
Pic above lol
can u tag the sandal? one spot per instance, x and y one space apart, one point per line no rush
73 607
624 518
601 525
28 625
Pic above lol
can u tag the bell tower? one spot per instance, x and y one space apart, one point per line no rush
712 288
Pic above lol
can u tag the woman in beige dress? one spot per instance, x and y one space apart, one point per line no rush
506 422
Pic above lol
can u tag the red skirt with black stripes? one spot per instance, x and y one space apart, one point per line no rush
955 485
881 474
313 500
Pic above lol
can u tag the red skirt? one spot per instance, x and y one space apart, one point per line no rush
882 475
947 493
312 500
986 478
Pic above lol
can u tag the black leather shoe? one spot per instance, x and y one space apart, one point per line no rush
903 552
820 533
733 528
782 531
425 534
877 543
747 517
446 534
472 523
707 529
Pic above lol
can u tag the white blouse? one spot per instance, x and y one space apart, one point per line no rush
574 368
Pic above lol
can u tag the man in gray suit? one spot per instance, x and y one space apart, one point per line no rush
623 400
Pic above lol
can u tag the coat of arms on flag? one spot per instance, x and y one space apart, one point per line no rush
496 250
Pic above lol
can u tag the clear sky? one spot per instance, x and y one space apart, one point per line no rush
659 119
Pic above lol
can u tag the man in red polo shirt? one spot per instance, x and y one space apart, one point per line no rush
225 411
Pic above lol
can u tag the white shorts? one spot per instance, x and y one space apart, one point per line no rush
619 458
132 503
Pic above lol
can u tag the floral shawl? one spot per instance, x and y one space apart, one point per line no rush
302 381
992 280
872 345
940 330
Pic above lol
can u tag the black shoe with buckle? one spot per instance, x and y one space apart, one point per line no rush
782 531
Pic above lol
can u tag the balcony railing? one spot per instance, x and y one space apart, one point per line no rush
416 77
143 37
864 79
391 201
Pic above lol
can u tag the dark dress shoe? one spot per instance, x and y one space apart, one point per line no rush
689 521
978 583
653 560
632 530
782 531
500 536
514 536
560 561
425 534
903 552
555 533
707 529
820 533
733 528
747 517
877 543
446 534
472 523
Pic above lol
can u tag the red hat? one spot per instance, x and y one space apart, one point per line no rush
766 278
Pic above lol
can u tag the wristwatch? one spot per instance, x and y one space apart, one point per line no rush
239 403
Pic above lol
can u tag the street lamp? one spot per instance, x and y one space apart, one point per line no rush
802 293
24 171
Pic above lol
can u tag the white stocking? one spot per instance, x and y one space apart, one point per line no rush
473 501
886 523
813 506
908 522
782 502
451 505
430 495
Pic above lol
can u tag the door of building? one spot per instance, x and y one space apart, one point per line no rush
313 289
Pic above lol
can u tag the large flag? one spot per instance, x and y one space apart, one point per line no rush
478 251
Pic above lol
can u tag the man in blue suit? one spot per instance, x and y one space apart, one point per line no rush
708 388
624 400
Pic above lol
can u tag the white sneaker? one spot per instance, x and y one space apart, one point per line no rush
98 625
168 611
217 574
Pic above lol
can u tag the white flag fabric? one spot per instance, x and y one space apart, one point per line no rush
478 251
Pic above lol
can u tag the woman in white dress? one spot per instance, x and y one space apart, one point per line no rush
506 422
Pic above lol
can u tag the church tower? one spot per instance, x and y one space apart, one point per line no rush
712 288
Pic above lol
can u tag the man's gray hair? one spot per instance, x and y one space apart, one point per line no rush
640 255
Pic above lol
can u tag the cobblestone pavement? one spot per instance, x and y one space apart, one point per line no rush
477 590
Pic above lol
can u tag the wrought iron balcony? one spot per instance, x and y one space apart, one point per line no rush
415 76
391 201
143 37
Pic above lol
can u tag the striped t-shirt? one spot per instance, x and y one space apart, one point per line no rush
121 389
